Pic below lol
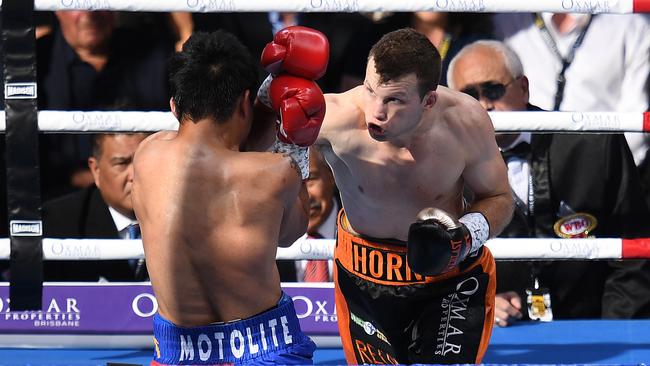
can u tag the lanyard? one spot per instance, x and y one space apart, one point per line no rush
566 61
444 46
531 196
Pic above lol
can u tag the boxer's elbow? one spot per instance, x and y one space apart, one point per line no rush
505 208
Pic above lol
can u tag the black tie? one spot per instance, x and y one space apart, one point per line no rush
521 151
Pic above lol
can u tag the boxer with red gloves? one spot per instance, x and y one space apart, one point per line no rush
296 56
410 292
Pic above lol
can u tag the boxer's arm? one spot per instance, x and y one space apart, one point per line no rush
340 116
295 218
486 173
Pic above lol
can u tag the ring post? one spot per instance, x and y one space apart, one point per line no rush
23 182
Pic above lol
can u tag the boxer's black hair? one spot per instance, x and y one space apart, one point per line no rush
210 75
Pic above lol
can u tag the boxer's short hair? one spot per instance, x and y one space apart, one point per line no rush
403 52
210 74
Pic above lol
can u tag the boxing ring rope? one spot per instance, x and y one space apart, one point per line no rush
487 6
502 249
588 122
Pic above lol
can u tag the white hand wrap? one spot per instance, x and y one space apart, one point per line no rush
263 91
478 227
299 154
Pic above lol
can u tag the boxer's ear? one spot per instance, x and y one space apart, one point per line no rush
245 106
429 99
172 106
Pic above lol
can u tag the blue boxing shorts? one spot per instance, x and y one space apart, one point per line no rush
272 337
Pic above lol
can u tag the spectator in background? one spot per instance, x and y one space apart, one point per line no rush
348 35
324 206
175 27
449 32
101 211
559 178
43 23
603 60
86 64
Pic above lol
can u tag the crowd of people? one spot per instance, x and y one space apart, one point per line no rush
383 143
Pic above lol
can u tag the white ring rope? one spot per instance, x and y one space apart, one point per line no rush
507 249
79 121
571 121
485 6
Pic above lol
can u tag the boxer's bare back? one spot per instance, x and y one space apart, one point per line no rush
211 219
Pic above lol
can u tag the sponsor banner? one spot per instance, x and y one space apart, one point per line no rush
315 309
83 309
128 309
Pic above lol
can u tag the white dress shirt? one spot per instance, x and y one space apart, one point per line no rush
121 223
519 169
609 71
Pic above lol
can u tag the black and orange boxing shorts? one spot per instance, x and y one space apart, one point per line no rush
387 314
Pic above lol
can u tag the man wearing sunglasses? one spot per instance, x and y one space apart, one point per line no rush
558 179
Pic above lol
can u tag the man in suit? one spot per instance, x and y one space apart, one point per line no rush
587 180
323 208
102 211
90 63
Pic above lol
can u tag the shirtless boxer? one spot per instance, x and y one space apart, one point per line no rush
212 217
403 149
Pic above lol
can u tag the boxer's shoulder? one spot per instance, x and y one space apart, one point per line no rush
265 167
343 111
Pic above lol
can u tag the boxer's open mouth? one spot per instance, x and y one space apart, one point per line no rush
375 129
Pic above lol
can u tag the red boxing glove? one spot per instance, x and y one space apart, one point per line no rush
299 51
301 106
